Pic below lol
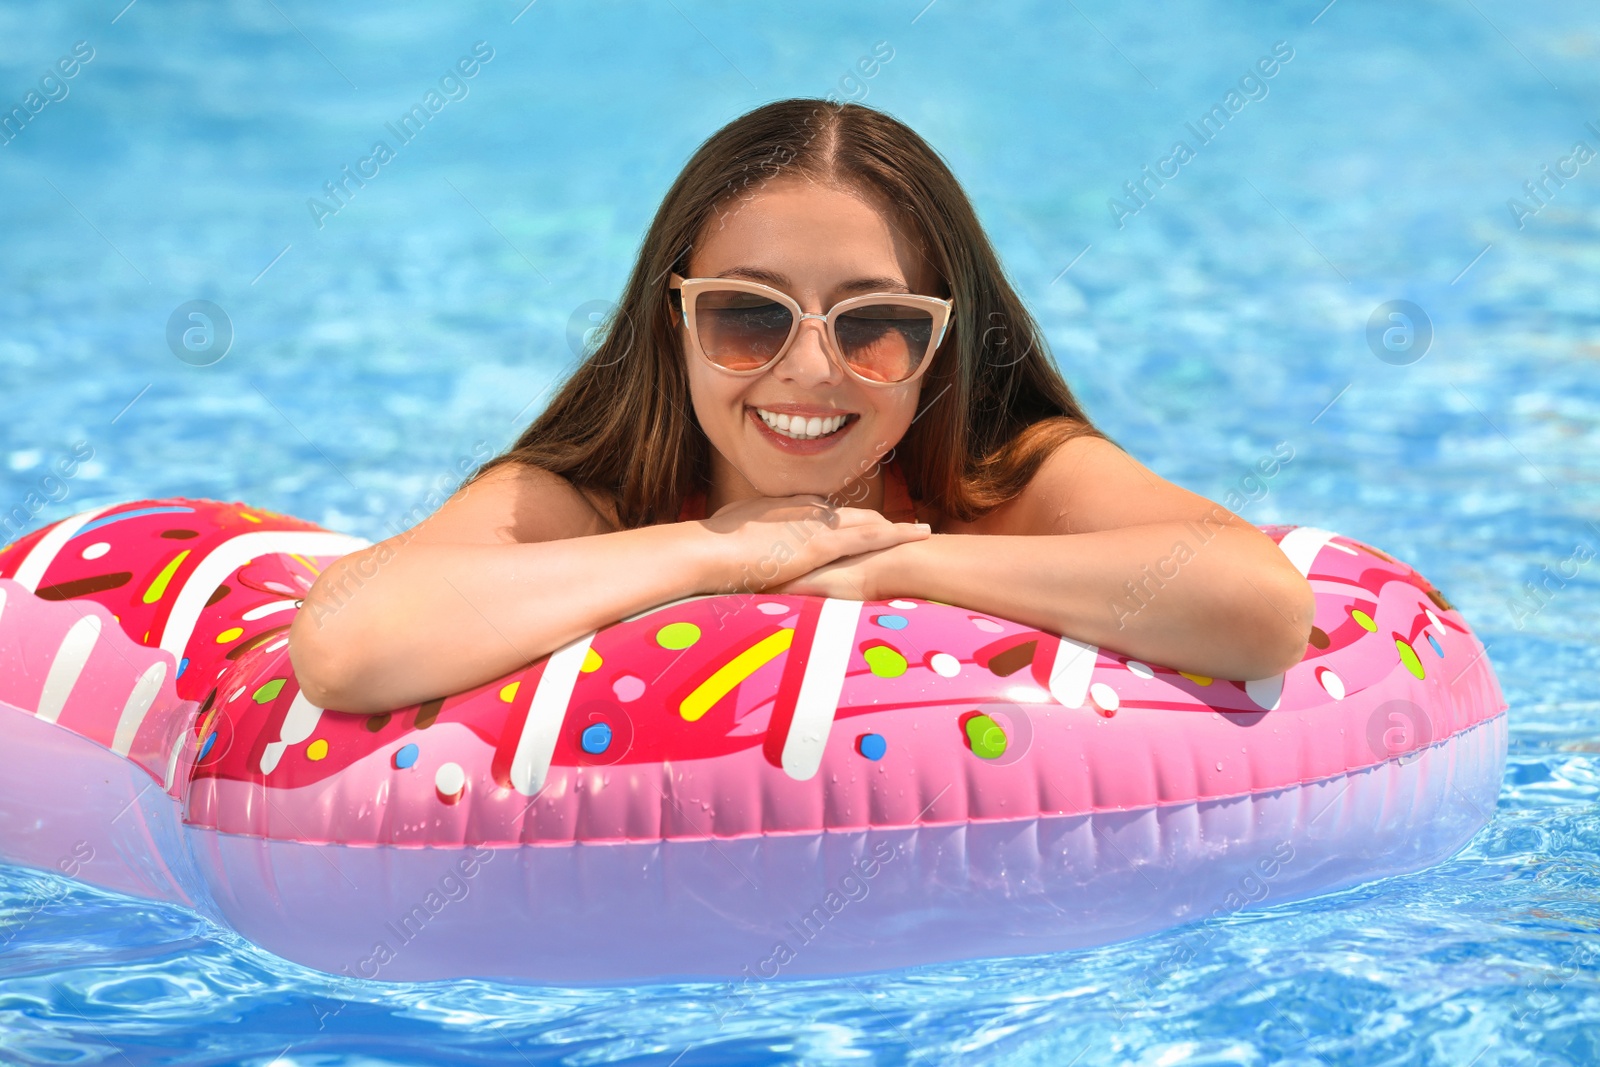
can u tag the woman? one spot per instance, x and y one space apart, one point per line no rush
817 381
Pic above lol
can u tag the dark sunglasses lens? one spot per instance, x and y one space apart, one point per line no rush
739 330
885 342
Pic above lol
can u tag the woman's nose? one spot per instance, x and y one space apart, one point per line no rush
810 357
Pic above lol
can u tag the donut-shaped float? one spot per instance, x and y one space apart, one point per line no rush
739 787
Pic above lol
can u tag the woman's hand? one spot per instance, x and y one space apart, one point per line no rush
850 578
765 542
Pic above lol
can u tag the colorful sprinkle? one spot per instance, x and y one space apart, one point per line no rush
317 749
83 586
159 586
107 520
985 737
96 550
450 780
1436 649
180 535
428 713
772 607
1013 659
903 605
267 691
892 622
872 746
1408 656
596 738
944 664
676 635
1437 625
508 692
183 664
1197 679
232 633
736 670
1332 684
405 757
591 662
262 638
210 742
1141 670
628 687
220 592
377 722
988 626
884 661
1364 619
1319 638
248 517
1105 698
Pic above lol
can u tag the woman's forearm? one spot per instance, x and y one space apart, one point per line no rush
1231 606
385 629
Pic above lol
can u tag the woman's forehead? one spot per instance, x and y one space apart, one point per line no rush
811 235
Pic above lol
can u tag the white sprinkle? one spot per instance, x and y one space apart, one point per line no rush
450 779
1105 698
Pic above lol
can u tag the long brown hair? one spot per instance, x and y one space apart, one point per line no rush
994 404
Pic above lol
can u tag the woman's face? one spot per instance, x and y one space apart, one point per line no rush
820 244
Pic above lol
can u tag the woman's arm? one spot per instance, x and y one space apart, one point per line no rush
508 570
1100 549
518 564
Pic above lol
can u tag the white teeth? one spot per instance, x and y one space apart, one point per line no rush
800 428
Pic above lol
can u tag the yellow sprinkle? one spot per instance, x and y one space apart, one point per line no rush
248 517
1197 679
232 634
1364 619
733 672
312 567
677 635
267 691
159 586
591 662
317 749
508 693
1408 656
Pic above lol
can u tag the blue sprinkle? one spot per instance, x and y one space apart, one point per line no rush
596 738
892 622
209 741
405 757
1436 647
183 665
872 746
170 509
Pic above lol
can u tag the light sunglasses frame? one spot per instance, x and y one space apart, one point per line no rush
689 289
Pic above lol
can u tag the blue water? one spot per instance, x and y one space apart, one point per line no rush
424 322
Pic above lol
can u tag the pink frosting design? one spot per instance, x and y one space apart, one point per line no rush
713 717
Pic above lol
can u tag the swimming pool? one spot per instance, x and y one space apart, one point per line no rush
1205 322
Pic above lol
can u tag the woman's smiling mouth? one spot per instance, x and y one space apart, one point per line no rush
794 430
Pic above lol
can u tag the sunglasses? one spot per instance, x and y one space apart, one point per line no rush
745 327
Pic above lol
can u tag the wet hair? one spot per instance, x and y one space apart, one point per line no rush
993 405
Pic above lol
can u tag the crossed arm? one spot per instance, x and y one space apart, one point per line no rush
1101 549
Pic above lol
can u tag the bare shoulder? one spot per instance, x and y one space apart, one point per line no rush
514 503
1089 484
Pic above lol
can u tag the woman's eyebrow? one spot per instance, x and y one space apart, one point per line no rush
855 285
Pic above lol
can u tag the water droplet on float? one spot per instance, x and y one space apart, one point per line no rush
1219 765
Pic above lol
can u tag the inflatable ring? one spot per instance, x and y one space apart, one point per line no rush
735 787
